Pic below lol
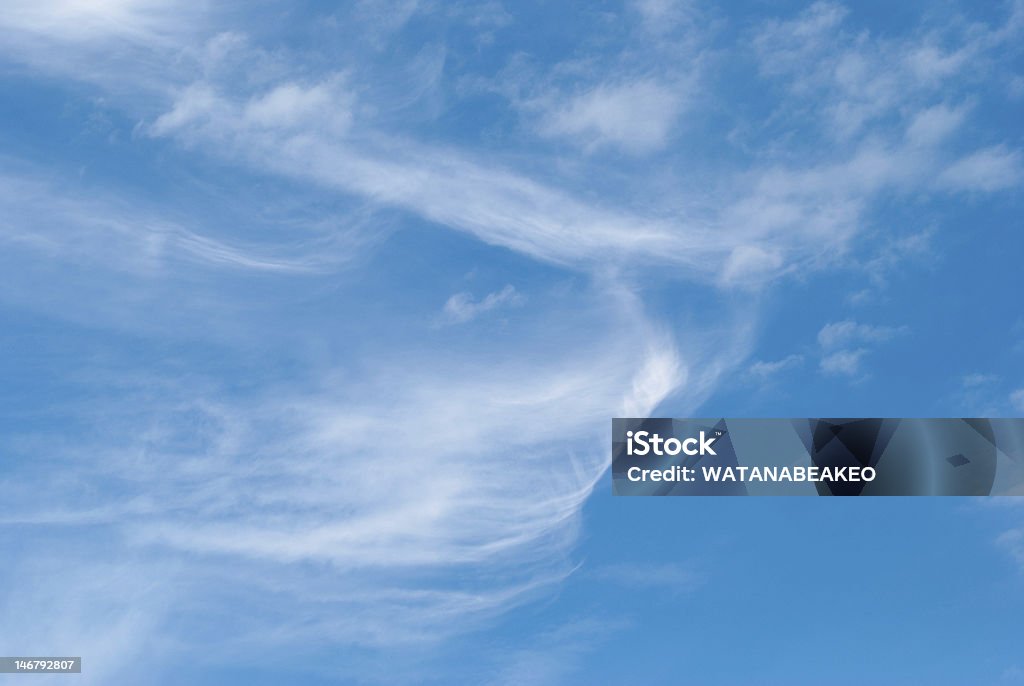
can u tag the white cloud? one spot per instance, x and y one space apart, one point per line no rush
461 307
935 124
661 16
750 265
364 497
103 610
292 105
990 169
661 373
843 362
842 333
82 20
764 370
47 218
770 220
132 48
636 116
790 45
889 255
323 107
844 80
836 339
440 184
773 220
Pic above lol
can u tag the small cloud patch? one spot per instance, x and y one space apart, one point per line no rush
461 307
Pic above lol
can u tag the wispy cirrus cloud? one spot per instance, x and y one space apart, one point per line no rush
43 217
636 116
844 344
990 169
461 307
779 219
836 334
381 482
77 21
858 79
108 610
763 370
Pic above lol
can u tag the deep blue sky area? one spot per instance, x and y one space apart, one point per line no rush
313 318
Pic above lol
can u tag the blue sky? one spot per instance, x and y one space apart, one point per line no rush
314 318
